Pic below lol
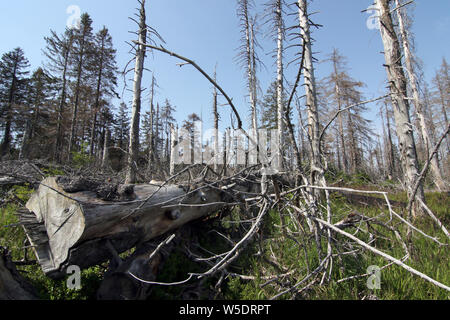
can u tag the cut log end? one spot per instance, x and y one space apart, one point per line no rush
73 228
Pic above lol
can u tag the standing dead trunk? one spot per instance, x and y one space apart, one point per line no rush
173 150
397 83
107 143
225 152
133 148
151 142
216 128
280 87
311 96
424 130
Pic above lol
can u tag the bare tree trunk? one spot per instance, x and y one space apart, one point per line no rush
443 107
106 145
216 128
280 87
438 180
133 149
151 138
311 97
353 148
173 144
250 37
225 152
392 159
397 82
156 138
302 134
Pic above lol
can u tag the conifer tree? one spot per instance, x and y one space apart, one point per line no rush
13 90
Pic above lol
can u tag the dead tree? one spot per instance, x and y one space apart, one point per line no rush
249 59
106 146
151 136
397 85
216 128
12 285
133 148
173 150
77 222
419 107
280 81
311 95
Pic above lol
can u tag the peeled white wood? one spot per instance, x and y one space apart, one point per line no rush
78 225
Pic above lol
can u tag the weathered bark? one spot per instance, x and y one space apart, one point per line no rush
390 152
151 137
216 129
424 130
12 285
133 149
249 56
173 150
75 228
311 95
352 140
107 143
397 83
280 84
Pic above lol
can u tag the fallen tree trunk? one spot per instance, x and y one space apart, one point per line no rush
70 226
12 285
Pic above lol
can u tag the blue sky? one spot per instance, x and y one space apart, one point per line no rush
207 32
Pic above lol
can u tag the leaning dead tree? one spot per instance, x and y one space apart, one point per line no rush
400 103
419 107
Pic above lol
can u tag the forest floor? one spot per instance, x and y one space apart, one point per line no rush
396 283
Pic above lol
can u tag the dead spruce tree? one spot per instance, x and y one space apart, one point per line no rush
311 95
419 107
133 147
247 57
275 19
397 86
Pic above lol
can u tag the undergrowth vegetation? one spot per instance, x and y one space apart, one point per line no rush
271 253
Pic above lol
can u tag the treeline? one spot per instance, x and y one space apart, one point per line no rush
65 107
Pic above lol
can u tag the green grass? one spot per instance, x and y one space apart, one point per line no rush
396 283
298 254
13 237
